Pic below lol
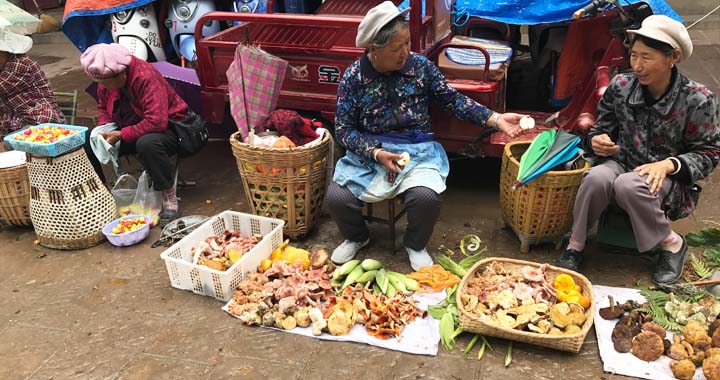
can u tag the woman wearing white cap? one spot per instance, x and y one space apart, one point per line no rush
26 97
657 134
382 112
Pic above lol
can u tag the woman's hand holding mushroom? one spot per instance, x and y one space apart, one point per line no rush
509 124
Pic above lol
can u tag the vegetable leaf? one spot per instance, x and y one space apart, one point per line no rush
700 268
704 237
713 256
469 261
450 265
437 311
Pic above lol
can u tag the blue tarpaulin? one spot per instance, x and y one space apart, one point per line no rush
542 11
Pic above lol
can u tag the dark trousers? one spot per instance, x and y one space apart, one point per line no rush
422 205
157 153
88 151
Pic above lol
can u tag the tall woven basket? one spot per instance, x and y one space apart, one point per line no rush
68 204
541 210
473 323
15 196
287 184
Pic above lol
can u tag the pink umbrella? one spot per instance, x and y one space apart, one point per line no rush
254 81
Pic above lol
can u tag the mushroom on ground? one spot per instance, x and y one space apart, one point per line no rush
683 369
647 346
613 311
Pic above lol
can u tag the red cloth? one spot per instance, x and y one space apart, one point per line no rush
26 97
157 101
293 126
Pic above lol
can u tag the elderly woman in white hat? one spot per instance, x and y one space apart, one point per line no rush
26 97
657 135
382 119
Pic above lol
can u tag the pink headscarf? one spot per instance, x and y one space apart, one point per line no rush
103 61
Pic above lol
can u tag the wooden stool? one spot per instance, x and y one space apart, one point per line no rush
392 216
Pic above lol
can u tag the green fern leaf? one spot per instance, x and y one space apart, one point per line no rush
700 268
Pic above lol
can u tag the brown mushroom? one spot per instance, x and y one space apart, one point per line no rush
703 344
677 350
683 369
716 338
654 327
698 358
714 351
622 338
711 368
613 311
647 346
713 326
694 331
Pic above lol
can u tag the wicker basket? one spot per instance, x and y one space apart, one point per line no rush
541 210
284 184
472 323
15 196
69 205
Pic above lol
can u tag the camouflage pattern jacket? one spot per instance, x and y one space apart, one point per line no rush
682 124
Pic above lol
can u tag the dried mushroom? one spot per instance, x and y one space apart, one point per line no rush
711 368
613 311
694 331
622 338
654 327
703 344
289 323
647 346
713 326
683 369
714 351
563 314
572 329
677 350
716 338
319 258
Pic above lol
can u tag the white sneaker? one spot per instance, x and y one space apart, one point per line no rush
347 250
419 259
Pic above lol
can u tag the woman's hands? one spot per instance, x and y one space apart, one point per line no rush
603 146
509 123
111 137
656 173
388 160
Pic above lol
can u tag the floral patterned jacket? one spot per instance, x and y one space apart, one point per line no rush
370 103
682 124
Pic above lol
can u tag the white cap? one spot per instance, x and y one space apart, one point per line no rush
14 43
374 20
664 29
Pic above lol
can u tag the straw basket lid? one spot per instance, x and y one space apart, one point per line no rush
11 159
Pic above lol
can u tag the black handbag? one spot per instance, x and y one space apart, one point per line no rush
192 134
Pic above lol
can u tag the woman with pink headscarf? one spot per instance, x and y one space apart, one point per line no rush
134 95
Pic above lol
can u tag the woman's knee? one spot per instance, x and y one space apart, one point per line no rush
628 186
423 197
339 197
147 144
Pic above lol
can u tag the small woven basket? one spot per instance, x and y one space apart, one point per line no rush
69 205
540 210
286 184
472 323
15 196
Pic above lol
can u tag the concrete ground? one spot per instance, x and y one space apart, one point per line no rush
111 313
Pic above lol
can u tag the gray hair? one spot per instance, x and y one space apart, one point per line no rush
387 32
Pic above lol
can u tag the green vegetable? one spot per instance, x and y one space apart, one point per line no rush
469 261
367 276
471 344
371 264
713 256
353 276
485 344
700 268
336 274
396 282
704 237
508 356
376 289
450 265
391 291
381 278
408 282
348 267
473 244
447 329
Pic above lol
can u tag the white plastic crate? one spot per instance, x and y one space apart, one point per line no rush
221 284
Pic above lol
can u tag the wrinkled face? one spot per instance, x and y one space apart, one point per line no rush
651 66
393 55
116 82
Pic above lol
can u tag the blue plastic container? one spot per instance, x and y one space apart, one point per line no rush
301 6
50 150
129 238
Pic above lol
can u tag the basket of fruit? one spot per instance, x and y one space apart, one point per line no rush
128 230
49 139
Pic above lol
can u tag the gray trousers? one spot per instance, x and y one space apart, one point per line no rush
422 205
609 181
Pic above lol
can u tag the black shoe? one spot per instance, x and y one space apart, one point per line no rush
570 259
670 265
168 216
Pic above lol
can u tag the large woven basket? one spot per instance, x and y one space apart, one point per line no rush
286 184
472 323
69 205
15 196
541 210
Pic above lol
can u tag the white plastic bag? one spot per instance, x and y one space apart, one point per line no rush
124 192
147 201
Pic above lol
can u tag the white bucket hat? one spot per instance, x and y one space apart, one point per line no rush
664 29
374 20
14 43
